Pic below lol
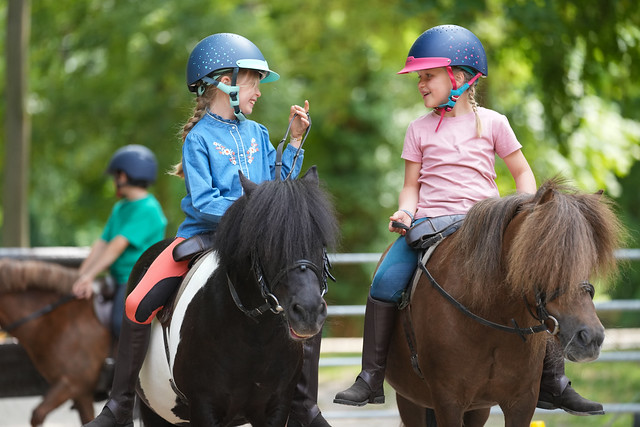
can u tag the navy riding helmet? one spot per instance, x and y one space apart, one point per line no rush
221 53
446 45
137 161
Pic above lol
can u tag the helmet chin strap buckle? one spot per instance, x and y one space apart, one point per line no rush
232 90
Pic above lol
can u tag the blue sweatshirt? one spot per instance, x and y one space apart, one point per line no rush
212 154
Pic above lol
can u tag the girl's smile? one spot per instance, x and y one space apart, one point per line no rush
434 86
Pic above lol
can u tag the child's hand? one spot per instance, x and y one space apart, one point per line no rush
300 124
401 217
83 287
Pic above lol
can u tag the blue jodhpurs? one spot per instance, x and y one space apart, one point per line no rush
395 272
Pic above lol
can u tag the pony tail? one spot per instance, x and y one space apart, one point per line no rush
474 105
198 113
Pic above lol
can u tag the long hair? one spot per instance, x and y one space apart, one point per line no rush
471 96
200 109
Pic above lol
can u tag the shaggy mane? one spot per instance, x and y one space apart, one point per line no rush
566 238
20 276
281 221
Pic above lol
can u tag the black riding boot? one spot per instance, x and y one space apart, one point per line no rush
118 412
379 321
555 387
304 408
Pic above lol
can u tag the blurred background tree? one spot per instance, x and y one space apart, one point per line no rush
104 74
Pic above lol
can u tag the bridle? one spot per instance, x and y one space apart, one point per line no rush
38 313
267 287
542 314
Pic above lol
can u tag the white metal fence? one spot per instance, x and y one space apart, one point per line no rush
601 307
74 256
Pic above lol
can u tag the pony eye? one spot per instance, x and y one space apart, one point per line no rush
588 287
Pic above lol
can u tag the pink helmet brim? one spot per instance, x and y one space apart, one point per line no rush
417 64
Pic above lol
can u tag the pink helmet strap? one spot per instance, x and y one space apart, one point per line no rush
454 95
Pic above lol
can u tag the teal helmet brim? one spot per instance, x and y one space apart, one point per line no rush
261 66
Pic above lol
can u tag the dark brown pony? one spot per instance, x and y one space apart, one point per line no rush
67 345
514 261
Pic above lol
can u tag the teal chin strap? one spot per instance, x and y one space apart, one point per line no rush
453 97
454 94
233 91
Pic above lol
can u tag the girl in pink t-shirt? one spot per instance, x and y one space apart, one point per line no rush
449 158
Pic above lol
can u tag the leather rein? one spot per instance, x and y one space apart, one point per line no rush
266 290
542 315
38 313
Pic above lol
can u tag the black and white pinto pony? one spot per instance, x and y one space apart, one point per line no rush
230 350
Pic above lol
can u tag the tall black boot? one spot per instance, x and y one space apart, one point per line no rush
379 321
304 407
132 349
555 387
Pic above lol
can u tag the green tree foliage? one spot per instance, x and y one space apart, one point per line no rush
107 73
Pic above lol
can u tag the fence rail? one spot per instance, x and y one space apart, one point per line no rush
73 256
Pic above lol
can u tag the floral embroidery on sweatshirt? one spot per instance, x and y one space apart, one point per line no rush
251 151
226 152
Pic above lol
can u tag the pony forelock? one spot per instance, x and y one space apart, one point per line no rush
279 220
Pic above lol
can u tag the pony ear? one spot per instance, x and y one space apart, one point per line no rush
547 196
247 184
311 175
599 193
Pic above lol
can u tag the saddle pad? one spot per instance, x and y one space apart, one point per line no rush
206 259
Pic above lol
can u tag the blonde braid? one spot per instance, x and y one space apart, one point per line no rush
471 96
474 106
202 102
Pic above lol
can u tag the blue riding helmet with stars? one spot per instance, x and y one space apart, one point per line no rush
221 53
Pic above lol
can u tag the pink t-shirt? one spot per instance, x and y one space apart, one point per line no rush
458 168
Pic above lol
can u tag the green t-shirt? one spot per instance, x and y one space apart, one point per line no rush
142 223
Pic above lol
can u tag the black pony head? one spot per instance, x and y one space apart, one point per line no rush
276 236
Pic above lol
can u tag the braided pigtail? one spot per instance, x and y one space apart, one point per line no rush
202 102
474 106
471 96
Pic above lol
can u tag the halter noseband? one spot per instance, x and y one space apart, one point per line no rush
268 287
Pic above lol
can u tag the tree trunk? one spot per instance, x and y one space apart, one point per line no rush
15 230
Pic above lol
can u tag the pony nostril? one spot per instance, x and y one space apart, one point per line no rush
322 309
583 337
586 338
599 339
298 311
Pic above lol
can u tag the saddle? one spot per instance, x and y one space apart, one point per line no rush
197 260
193 246
194 249
432 230
426 236
105 289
